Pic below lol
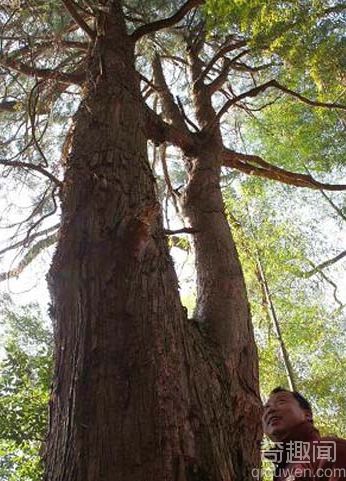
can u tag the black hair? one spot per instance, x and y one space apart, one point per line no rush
303 402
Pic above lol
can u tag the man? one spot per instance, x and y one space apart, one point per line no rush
300 453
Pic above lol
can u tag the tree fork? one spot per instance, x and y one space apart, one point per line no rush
138 392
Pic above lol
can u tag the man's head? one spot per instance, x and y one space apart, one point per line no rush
283 412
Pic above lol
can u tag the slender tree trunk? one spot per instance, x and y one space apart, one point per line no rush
139 393
276 324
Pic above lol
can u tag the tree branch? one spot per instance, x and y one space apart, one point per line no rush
313 103
332 283
243 67
27 240
335 207
20 67
273 84
36 168
36 49
170 109
222 51
29 257
160 131
249 164
187 120
291 378
71 8
317 269
184 230
330 202
167 22
216 84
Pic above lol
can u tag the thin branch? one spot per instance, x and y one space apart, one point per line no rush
273 84
38 207
332 283
335 207
36 49
167 22
170 191
29 257
32 106
329 200
25 242
251 248
45 216
187 120
317 269
243 67
221 52
36 168
150 83
313 103
71 8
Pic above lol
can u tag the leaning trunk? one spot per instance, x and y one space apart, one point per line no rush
138 393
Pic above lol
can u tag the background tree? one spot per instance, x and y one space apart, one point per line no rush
25 379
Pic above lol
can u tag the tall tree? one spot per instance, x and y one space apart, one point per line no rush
121 335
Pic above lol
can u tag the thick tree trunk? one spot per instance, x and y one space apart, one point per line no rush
139 393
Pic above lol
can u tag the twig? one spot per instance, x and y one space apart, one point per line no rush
52 212
335 207
329 200
335 287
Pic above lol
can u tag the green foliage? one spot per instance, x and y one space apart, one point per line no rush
313 330
295 136
303 42
25 374
301 33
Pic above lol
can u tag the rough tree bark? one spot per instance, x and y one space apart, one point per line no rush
140 392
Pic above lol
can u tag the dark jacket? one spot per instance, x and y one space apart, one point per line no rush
306 456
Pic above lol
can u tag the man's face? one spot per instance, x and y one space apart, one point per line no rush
282 413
